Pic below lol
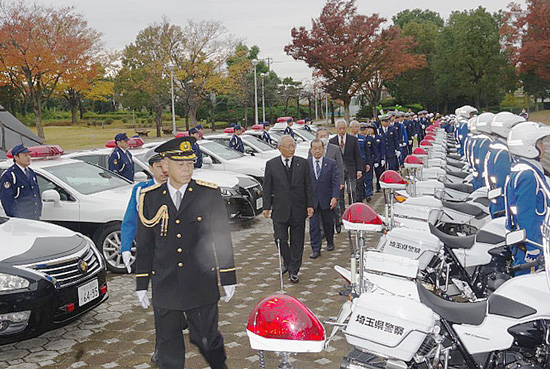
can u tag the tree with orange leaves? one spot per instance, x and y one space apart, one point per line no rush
39 47
351 52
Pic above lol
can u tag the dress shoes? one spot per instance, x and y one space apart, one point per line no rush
284 269
294 278
155 357
330 247
315 254
369 199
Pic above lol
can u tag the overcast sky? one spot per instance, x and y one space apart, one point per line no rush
266 23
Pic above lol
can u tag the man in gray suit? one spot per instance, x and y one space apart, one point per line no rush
333 152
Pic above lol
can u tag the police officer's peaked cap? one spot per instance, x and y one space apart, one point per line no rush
121 137
193 130
199 126
237 127
371 125
179 148
152 157
19 149
266 124
384 117
422 112
363 125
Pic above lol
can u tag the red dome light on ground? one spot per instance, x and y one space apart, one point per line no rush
285 317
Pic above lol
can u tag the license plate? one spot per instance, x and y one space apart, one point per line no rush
88 292
259 203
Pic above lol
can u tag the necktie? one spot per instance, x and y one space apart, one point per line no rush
317 169
287 163
28 173
179 196
342 142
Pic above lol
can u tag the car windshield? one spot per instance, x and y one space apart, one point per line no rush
86 178
308 135
221 151
261 145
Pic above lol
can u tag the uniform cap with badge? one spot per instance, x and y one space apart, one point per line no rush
178 149
121 137
19 149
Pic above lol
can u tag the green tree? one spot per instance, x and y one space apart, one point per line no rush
417 16
469 62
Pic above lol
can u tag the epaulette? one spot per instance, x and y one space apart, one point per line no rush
146 189
206 184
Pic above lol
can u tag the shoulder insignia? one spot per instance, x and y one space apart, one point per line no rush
7 185
206 184
147 189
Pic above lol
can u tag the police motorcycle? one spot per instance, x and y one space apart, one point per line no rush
510 329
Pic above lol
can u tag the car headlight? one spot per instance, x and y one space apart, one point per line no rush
228 192
10 283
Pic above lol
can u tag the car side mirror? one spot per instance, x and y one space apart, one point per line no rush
51 196
140 177
494 193
207 160
515 237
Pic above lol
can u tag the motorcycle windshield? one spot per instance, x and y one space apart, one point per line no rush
545 229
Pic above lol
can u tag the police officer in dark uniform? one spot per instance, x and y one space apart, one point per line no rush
183 247
20 194
236 143
265 134
288 130
378 152
120 160
194 132
390 139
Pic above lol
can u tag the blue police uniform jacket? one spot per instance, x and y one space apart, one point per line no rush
289 131
361 141
376 144
121 163
462 134
20 194
236 143
198 154
480 151
527 200
409 127
390 141
128 229
370 146
497 169
266 137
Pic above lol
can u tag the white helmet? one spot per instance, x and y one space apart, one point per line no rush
483 122
467 110
504 122
472 125
523 138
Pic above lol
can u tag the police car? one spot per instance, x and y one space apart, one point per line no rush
221 158
242 193
300 133
252 145
83 197
49 276
302 146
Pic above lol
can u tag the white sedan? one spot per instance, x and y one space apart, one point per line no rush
253 146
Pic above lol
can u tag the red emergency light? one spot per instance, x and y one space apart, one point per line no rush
182 134
232 130
133 143
420 151
258 126
285 317
284 119
42 152
301 121
391 177
426 143
359 216
413 162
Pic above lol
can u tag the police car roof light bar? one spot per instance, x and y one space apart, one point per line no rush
133 143
42 152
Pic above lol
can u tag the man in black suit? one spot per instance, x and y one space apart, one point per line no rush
183 247
353 164
288 191
326 190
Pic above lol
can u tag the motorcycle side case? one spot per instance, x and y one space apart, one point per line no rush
390 326
426 208
410 243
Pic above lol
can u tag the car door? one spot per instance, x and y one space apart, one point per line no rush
66 211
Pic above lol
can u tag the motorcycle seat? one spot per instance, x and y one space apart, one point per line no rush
455 164
460 187
463 207
454 156
457 173
454 242
472 313
483 201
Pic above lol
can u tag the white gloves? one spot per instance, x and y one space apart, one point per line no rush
143 299
397 153
126 257
229 292
382 162
376 165
532 255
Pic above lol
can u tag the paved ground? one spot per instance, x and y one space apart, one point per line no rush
120 334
